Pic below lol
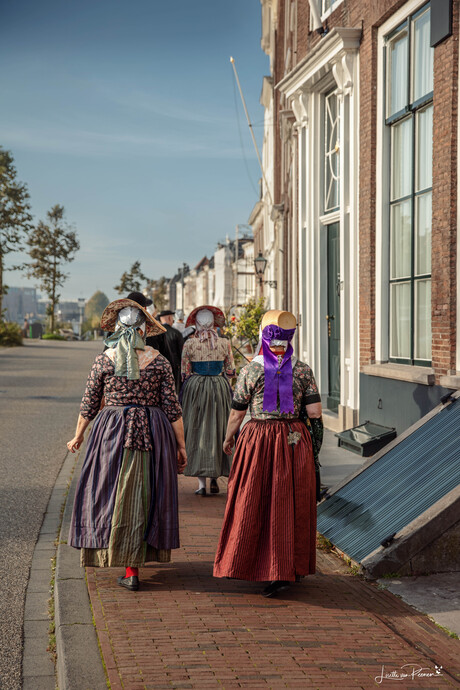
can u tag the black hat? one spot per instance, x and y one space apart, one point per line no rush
166 312
140 299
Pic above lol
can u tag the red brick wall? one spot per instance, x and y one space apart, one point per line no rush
444 239
278 74
370 15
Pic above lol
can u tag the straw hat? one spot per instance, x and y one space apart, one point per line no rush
110 315
282 319
219 318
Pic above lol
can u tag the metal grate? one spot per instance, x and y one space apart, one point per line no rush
398 487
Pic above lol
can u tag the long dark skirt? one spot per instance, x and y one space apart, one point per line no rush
126 507
269 528
206 402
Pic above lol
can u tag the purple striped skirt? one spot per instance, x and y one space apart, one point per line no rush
96 494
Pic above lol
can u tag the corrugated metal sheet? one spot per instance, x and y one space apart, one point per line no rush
396 488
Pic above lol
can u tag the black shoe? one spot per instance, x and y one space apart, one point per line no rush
131 583
274 587
214 486
200 492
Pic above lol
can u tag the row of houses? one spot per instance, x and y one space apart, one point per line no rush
357 216
227 279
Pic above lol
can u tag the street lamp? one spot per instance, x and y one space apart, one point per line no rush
260 264
81 305
184 266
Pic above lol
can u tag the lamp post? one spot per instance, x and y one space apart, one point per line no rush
260 264
81 306
184 266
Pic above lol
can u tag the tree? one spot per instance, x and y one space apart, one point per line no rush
159 291
15 218
93 310
250 319
51 245
96 305
132 280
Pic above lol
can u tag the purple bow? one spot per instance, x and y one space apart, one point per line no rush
278 377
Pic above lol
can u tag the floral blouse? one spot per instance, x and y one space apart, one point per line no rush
249 391
196 350
154 388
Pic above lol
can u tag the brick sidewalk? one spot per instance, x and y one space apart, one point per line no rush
186 629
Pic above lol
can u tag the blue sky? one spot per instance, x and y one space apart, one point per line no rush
125 114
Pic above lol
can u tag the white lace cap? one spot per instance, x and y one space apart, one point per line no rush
130 316
204 319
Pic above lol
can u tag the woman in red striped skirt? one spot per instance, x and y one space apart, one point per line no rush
269 529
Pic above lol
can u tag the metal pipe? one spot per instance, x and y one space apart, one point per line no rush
251 129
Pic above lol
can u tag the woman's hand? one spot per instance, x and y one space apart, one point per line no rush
181 459
77 440
178 428
233 425
75 443
228 445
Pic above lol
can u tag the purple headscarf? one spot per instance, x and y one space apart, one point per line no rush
278 377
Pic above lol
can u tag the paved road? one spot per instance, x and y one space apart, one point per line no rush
40 389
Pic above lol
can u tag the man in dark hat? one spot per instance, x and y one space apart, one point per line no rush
174 342
141 299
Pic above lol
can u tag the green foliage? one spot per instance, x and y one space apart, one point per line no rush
96 304
134 279
88 325
323 543
10 334
250 317
447 631
15 217
158 289
52 336
50 246
131 280
93 310
229 329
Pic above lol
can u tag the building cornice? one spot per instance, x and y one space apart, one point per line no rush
266 95
337 44
256 213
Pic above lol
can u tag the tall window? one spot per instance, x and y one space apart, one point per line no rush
331 152
329 5
409 118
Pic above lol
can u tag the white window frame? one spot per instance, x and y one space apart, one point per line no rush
328 152
382 263
328 12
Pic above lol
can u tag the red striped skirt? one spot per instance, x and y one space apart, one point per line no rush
269 529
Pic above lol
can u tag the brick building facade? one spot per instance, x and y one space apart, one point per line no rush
360 189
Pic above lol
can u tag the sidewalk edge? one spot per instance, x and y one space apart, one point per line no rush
79 665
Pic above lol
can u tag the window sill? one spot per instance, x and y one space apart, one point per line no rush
401 372
451 381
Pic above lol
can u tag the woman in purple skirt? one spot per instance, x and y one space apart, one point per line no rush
126 509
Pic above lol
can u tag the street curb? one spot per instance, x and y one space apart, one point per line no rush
79 664
38 670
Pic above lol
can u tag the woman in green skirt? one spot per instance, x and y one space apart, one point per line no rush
207 361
